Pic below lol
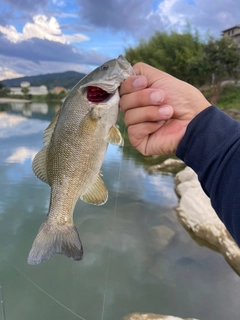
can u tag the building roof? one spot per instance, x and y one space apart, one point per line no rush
59 89
237 26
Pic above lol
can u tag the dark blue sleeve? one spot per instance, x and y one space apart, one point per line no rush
211 147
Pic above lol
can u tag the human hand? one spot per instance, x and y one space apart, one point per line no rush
158 107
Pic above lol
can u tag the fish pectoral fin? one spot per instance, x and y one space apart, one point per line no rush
97 193
55 239
115 137
47 135
39 165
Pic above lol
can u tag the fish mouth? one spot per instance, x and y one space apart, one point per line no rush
96 94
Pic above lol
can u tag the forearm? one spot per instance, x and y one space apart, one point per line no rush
211 147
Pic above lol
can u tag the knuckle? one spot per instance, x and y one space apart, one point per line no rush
139 65
131 130
127 119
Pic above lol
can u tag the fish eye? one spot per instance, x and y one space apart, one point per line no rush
104 67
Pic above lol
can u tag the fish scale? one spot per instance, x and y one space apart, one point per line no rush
75 145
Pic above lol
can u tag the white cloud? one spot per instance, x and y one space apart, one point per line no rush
6 73
169 15
59 3
70 38
10 33
201 14
42 28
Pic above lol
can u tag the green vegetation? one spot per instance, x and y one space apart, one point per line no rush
38 98
25 92
177 54
4 91
50 97
187 57
221 60
229 97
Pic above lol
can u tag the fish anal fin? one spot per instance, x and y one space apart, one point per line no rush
39 165
47 135
51 239
115 137
97 193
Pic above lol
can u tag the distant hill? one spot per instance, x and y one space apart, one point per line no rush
66 79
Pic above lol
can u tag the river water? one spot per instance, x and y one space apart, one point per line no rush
138 257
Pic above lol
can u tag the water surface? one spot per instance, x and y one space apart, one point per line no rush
138 257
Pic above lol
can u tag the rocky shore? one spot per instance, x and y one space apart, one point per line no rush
199 218
197 215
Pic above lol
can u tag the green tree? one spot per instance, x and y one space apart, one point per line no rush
25 91
178 54
4 91
52 96
221 61
189 58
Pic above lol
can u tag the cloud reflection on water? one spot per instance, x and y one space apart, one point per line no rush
21 154
28 109
12 125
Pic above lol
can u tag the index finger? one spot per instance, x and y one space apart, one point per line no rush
133 83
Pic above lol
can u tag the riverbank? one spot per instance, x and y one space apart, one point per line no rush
196 214
9 100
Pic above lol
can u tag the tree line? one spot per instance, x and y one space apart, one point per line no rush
189 58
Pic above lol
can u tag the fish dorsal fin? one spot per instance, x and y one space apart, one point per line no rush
115 137
47 135
39 165
97 193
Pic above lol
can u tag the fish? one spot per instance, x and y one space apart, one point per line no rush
75 144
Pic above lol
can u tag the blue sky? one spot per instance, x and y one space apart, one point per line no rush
46 36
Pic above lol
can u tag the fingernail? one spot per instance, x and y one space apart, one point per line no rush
139 82
156 97
165 111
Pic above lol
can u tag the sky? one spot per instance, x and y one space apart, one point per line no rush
47 36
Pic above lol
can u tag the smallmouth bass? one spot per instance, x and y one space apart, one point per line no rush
75 144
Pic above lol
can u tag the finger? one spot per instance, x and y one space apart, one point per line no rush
132 84
148 114
152 74
138 132
145 97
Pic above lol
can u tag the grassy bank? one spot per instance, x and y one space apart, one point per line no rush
40 98
49 97
229 97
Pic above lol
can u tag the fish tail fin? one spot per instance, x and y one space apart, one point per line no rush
50 240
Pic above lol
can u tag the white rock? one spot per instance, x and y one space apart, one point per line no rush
198 216
168 164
